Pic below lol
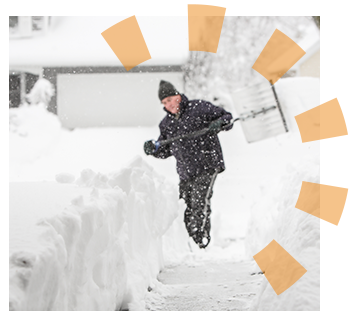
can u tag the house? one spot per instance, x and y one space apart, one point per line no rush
309 64
92 87
23 78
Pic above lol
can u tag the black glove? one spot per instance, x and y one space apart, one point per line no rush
149 147
215 126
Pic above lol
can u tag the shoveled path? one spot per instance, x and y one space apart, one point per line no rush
209 286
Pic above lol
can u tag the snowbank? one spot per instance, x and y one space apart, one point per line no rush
273 213
34 131
100 252
139 205
275 217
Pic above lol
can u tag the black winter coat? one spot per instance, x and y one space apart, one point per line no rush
193 155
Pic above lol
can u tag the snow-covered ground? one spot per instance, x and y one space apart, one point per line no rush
92 219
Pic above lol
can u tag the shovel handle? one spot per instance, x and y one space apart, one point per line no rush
190 135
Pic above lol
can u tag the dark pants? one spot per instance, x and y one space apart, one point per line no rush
197 193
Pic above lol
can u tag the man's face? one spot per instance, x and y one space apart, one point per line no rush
172 103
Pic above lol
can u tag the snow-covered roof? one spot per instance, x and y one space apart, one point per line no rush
310 43
77 41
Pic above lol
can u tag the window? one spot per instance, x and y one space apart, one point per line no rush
21 83
38 23
13 24
15 90
27 26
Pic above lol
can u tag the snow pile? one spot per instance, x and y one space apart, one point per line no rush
41 92
297 232
273 213
74 260
65 177
101 252
33 132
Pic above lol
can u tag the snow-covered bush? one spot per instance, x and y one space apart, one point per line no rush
41 92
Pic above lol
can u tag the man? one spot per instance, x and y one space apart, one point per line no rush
199 159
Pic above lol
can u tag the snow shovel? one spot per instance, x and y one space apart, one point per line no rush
252 115
190 135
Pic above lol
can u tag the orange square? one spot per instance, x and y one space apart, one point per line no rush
204 33
309 199
279 267
309 125
277 57
333 201
322 122
127 42
333 122
204 27
322 201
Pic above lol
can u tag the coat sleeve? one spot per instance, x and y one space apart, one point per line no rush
164 151
213 113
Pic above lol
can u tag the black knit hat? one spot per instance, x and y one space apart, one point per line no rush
166 89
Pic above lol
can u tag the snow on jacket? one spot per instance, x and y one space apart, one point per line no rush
193 155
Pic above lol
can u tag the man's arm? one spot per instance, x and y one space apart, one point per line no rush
161 152
217 116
